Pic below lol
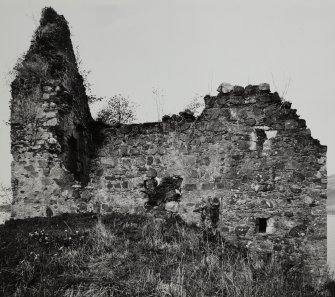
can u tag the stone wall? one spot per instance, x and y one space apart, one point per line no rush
49 124
247 167
248 150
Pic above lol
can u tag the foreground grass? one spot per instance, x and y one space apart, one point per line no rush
118 255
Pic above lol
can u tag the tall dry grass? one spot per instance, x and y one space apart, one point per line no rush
152 257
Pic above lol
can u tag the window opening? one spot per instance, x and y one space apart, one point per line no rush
261 224
261 137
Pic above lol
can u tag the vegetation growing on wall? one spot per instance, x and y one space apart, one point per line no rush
119 110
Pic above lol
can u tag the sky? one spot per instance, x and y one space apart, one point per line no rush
186 48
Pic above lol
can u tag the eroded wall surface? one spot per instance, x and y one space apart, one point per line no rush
248 149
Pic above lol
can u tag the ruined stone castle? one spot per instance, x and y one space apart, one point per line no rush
248 151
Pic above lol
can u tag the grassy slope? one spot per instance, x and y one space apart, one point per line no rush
79 255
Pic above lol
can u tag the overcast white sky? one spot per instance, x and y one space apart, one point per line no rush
188 47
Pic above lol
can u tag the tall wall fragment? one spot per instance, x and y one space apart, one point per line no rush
49 123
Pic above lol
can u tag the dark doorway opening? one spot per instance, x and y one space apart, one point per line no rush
261 224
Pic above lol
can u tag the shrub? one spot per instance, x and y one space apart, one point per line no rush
119 110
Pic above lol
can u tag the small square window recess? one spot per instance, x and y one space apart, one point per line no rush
261 224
